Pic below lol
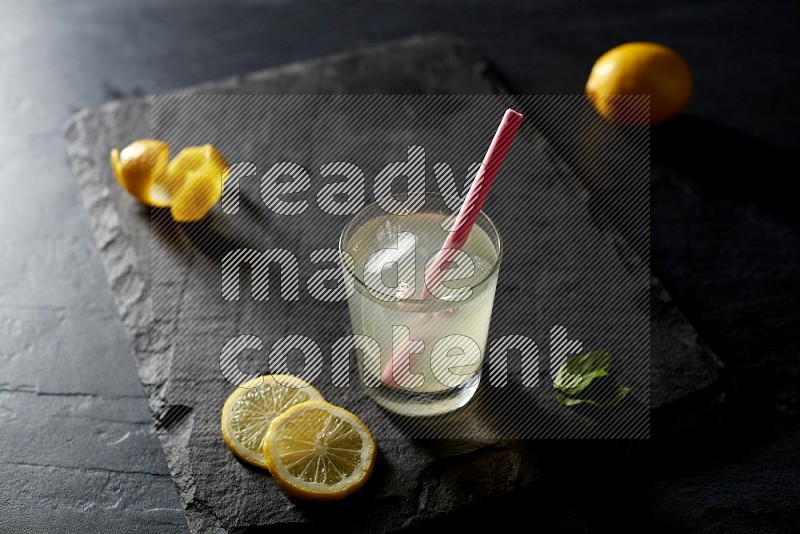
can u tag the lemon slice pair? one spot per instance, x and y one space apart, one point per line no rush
190 185
313 449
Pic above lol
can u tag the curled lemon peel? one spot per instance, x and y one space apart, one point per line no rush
194 180
140 167
190 184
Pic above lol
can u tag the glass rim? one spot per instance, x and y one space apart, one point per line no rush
484 280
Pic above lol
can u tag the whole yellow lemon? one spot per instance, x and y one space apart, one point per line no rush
639 68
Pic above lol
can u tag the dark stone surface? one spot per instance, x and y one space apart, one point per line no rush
729 260
179 364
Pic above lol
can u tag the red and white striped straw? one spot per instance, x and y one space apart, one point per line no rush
462 227
478 192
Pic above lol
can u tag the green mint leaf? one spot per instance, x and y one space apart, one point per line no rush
577 372
621 393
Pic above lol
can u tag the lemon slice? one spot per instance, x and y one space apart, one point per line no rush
318 451
250 409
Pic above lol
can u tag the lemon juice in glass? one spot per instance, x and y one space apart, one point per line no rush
429 339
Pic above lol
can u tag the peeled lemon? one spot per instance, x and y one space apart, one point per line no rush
190 185
639 68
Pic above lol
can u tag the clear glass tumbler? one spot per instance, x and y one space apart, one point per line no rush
420 348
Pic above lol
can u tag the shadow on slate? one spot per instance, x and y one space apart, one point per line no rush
415 480
727 162
686 379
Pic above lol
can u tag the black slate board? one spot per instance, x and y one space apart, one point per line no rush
414 481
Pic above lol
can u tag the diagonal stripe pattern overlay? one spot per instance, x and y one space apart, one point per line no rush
257 286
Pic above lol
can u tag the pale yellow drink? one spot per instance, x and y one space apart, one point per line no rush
390 254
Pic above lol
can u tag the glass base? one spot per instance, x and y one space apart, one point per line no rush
413 404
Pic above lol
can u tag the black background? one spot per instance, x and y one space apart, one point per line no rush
78 452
